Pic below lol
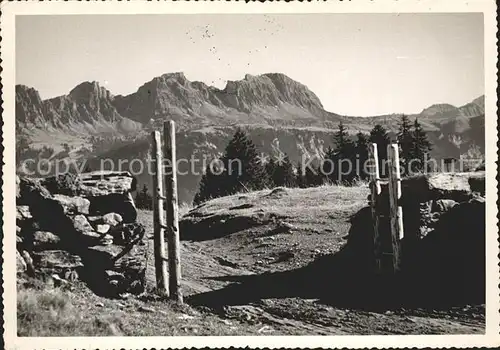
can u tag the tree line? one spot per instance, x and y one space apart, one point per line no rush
344 163
242 168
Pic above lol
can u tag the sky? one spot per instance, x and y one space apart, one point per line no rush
357 64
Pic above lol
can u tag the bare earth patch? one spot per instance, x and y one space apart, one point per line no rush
244 262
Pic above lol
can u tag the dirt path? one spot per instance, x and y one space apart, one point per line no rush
216 273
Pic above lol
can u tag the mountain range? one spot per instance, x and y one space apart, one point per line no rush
279 114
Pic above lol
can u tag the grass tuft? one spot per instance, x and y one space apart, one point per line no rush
51 313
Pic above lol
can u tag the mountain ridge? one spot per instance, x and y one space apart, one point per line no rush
278 113
270 98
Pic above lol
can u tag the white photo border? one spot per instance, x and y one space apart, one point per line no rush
12 9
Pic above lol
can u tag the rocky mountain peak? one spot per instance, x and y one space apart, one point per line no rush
479 101
88 89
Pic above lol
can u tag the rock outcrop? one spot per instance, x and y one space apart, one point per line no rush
66 236
443 249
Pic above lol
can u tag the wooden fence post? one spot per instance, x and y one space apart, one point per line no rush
375 192
396 211
174 253
159 216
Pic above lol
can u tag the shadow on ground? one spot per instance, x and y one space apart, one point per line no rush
446 268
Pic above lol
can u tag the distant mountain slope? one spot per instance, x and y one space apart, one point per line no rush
266 99
87 109
90 122
270 99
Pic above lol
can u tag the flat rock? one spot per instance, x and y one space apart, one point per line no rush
20 263
18 189
81 224
103 183
426 187
442 205
44 240
106 240
91 234
23 212
30 190
56 259
128 233
76 205
120 203
104 228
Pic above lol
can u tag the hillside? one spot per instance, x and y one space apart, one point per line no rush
274 262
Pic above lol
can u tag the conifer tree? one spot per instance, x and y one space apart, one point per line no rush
420 147
312 176
242 170
300 176
210 184
281 172
339 163
343 144
143 199
380 136
328 165
405 140
362 153
243 167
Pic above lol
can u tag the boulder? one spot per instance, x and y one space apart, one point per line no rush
47 212
106 240
20 263
102 257
127 234
104 228
112 219
95 219
91 235
19 237
57 260
45 240
81 224
116 269
443 205
426 187
73 205
120 203
18 189
103 183
30 268
66 184
31 191
23 213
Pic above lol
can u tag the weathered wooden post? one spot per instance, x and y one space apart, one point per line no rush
375 192
396 211
174 254
159 216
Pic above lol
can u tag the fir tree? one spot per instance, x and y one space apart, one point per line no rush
312 176
241 170
339 162
143 199
405 140
328 166
343 145
300 176
362 153
281 172
420 147
380 136
210 184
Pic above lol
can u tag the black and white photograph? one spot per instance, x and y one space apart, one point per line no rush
251 174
